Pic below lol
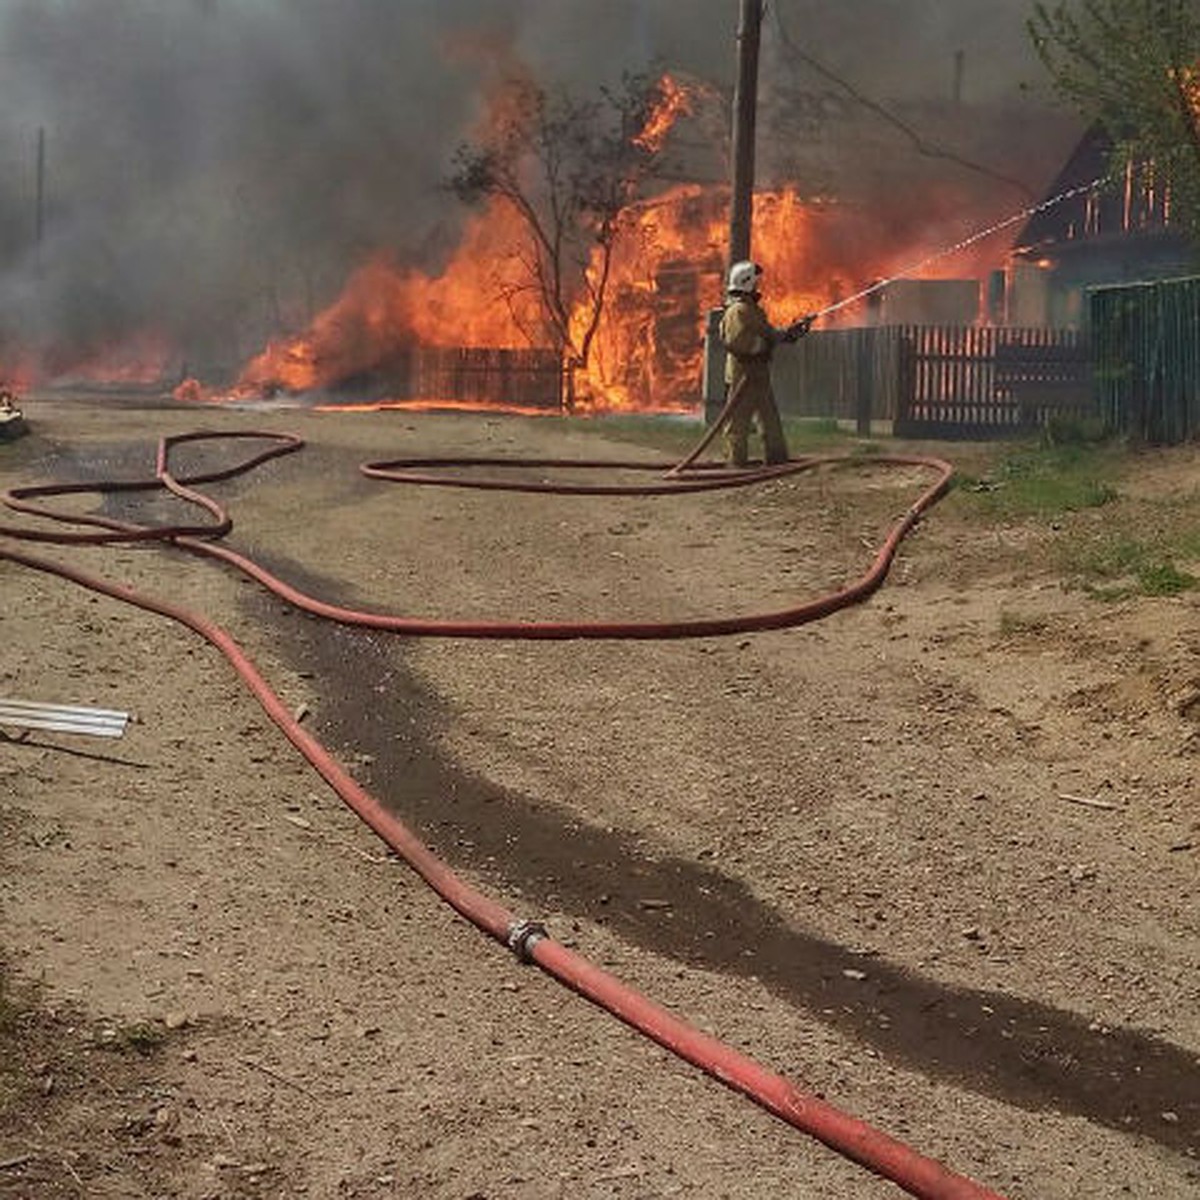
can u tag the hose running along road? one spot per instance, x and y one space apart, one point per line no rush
915 1173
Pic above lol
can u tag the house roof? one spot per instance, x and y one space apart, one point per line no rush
1088 202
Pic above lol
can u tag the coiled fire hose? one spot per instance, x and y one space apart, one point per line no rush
915 1173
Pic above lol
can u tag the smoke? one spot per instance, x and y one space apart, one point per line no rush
215 168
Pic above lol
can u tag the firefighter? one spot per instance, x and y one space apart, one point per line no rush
750 339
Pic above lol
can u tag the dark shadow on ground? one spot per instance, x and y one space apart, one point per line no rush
1023 1052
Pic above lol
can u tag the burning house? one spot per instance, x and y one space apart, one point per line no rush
1108 230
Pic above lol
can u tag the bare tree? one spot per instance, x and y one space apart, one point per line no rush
569 167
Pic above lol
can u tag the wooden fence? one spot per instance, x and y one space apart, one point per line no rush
1146 340
938 381
522 378
848 374
471 374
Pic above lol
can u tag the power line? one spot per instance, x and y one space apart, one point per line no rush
920 144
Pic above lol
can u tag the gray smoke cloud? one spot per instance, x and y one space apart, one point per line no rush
215 168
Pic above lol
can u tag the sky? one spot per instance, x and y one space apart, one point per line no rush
212 165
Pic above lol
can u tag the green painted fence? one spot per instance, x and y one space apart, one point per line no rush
1146 358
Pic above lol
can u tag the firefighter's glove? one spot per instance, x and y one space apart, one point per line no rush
797 329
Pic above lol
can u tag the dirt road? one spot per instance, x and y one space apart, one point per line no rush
934 858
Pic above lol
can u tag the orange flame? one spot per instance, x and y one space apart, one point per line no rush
674 101
481 299
665 272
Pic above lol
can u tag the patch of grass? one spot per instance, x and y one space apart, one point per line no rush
1107 556
1073 431
1139 546
815 430
676 435
1186 540
1045 481
1114 565
1163 579
815 426
824 433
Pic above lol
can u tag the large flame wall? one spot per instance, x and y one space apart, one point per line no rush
666 272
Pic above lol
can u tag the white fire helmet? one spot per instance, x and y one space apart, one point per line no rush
743 276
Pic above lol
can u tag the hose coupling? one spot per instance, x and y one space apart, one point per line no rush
523 936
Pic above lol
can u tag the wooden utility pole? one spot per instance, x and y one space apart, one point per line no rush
39 202
741 208
745 106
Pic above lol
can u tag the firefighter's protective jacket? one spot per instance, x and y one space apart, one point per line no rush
749 337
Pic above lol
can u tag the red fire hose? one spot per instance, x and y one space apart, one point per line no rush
194 537
917 1174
